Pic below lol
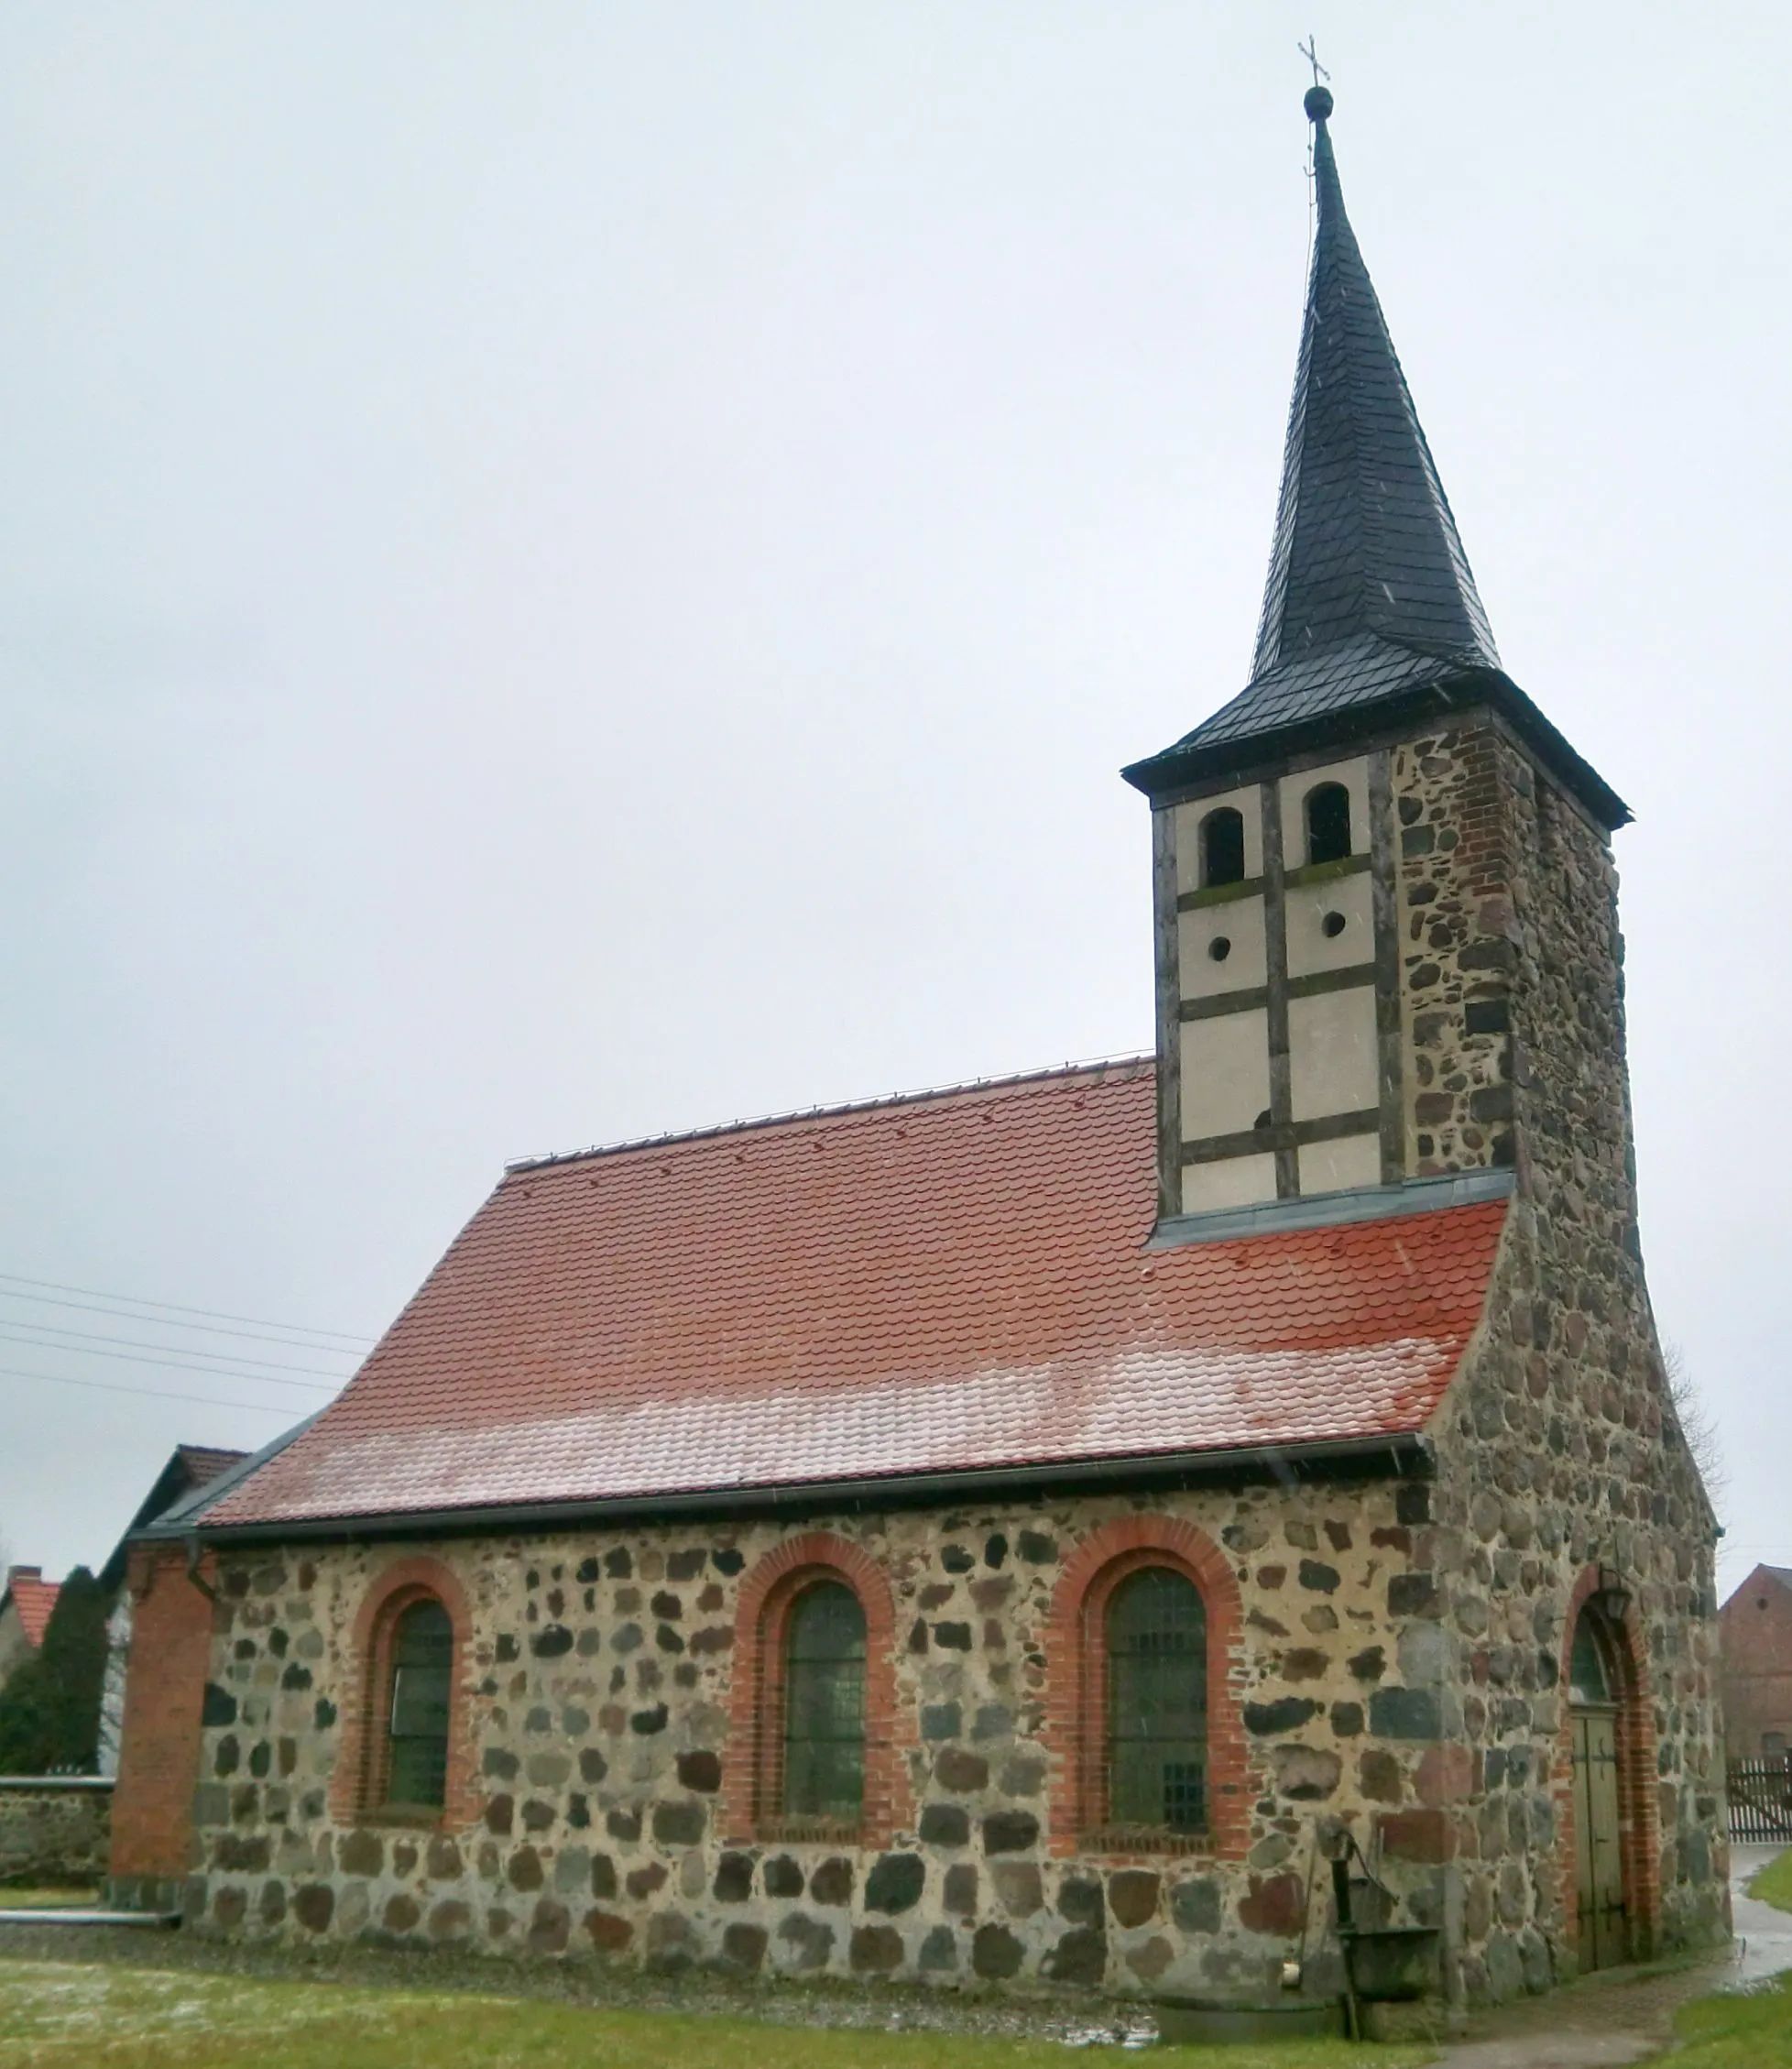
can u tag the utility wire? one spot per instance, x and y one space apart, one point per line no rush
39 1330
182 1364
171 1307
296 1340
151 1393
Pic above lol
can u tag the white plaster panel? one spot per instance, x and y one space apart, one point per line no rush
1237 921
1309 945
1356 1160
1249 801
1331 1052
1224 1073
1233 1181
1354 776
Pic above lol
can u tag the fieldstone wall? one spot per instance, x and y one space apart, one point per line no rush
54 1832
1559 1451
1455 853
599 1708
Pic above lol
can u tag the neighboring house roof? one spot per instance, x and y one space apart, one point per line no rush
33 1598
939 1284
1782 1574
1370 606
190 1466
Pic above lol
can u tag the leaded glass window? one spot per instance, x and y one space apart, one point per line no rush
1157 1702
824 1704
422 1666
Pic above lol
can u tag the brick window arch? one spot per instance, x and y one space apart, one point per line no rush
1077 1702
395 1614
754 1802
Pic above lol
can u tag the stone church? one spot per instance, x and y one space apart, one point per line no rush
1006 1533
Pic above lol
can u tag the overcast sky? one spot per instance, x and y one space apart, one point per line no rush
572 570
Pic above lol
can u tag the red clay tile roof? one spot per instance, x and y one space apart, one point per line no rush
951 1282
34 1598
204 1463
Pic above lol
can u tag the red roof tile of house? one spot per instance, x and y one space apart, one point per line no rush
204 1463
957 1281
34 1598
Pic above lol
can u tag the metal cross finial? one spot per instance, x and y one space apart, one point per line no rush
1310 52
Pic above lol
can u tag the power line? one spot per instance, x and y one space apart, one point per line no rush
297 1339
179 1365
172 1307
149 1393
39 1330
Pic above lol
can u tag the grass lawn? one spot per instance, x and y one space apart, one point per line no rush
56 2015
47 1900
1773 1884
1745 2030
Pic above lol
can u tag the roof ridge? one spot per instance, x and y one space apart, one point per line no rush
1088 1066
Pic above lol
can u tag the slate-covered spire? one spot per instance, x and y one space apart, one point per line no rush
1365 546
1370 604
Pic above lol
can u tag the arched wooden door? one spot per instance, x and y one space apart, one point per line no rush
1602 1914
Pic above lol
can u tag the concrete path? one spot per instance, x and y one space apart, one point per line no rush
1625 2015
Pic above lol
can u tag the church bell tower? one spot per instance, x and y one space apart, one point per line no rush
1348 854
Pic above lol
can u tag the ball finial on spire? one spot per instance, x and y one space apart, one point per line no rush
1318 101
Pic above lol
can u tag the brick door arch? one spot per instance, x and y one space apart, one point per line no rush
1638 1813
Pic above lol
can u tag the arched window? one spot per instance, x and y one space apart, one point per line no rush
818 1737
1157 1702
1327 823
417 1731
1589 1673
824 1704
1222 846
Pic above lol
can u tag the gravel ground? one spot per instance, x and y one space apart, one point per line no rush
1079 2022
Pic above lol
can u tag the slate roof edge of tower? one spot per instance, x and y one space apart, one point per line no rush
1370 615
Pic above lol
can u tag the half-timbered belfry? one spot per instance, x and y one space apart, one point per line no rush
1329 1017
1018 1531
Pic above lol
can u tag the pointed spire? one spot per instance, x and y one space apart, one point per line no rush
1370 602
1365 545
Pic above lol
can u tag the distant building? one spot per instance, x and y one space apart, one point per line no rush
1756 1627
24 1616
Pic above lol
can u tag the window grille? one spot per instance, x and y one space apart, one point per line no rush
1157 1702
422 1665
824 1705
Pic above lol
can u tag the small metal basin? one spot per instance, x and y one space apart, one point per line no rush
1205 2021
1393 1964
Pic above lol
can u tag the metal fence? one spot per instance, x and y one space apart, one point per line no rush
1761 1802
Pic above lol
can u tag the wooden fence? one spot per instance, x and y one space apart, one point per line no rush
1761 1802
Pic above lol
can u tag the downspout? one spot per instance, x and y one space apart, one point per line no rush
193 1573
